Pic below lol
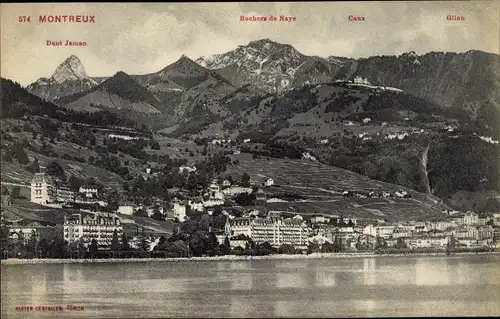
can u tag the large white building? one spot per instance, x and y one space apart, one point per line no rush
125 210
214 191
269 182
275 231
180 212
89 191
471 218
380 231
65 195
85 226
42 190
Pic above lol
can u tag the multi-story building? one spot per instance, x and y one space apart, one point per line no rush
85 226
6 201
125 210
496 219
214 191
483 220
346 220
42 190
440 225
320 219
180 212
380 231
275 231
65 195
426 242
485 232
401 232
89 191
466 232
420 227
471 218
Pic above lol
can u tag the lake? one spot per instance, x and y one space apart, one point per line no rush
351 287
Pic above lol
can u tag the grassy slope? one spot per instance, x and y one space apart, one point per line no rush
322 186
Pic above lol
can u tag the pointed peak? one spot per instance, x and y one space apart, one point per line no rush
185 58
121 74
70 69
72 58
119 77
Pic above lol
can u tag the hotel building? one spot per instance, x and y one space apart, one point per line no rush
85 226
275 231
42 191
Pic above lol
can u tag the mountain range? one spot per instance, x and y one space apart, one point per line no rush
375 116
463 82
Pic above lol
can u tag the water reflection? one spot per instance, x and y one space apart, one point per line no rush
299 288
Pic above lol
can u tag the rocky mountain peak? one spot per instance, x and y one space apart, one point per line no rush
262 42
71 69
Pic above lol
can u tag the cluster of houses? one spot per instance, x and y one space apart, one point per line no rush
373 194
259 224
468 230
47 191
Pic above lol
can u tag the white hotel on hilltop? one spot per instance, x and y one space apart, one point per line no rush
85 226
42 191
274 230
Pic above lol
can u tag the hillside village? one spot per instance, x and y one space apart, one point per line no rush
231 217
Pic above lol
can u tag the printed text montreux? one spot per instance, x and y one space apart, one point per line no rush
66 19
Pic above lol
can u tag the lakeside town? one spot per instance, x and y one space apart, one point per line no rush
221 223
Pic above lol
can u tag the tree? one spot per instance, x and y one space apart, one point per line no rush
32 242
400 244
226 246
286 249
313 247
34 167
263 249
141 213
74 182
56 248
245 180
115 244
157 215
143 244
337 244
154 145
350 223
16 192
43 247
93 247
54 169
452 242
162 243
124 244
380 242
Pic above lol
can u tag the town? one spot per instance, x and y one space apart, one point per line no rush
231 218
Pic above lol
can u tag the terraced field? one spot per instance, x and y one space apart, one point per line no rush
322 186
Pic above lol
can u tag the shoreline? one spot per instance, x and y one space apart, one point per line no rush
17 261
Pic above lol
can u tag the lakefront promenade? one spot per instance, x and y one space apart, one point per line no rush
20 261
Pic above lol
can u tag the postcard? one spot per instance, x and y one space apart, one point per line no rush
250 159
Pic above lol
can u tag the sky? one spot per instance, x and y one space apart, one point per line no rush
140 38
